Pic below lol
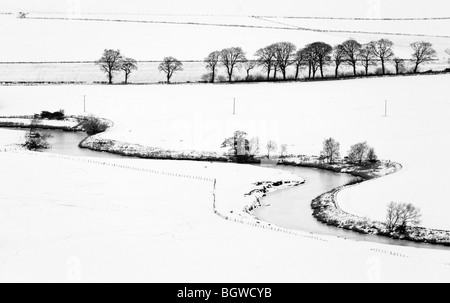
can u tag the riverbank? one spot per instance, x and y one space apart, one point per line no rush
326 208
97 143
70 123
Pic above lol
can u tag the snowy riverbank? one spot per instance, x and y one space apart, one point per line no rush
327 210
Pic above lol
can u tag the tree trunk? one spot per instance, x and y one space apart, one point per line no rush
367 69
297 72
284 74
383 67
321 69
275 74
230 75
310 69
110 77
354 69
168 79
213 77
416 68
269 69
126 78
336 72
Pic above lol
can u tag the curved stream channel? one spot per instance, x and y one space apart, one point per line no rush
288 208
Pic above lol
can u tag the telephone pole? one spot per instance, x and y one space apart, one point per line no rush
385 108
234 106
84 104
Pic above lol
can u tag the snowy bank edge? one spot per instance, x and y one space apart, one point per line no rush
251 199
327 210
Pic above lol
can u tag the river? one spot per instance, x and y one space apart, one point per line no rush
288 208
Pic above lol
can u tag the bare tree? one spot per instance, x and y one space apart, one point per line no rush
232 58
248 66
266 57
212 62
276 68
331 150
170 65
313 63
423 53
300 60
110 63
367 57
358 153
128 65
382 49
372 155
338 58
401 215
284 52
351 49
254 146
322 53
239 144
271 146
399 65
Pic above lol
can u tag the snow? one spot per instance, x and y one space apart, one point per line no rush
199 117
65 219
88 39
70 123
81 221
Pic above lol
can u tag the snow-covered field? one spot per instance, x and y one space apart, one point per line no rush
79 220
199 117
73 221
74 40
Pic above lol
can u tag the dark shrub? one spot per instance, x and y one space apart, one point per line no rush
94 125
59 115
35 141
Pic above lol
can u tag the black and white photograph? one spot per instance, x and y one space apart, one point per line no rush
248 141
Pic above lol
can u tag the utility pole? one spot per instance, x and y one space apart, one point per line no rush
385 108
234 106
84 106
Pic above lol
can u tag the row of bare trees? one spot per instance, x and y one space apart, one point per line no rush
359 153
278 57
113 62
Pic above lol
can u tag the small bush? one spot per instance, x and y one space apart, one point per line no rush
59 115
36 141
94 125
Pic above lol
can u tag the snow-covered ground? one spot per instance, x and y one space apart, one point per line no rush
72 220
74 40
301 115
64 220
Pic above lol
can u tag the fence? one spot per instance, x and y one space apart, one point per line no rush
250 221
106 163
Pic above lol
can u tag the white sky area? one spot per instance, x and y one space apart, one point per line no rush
343 8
